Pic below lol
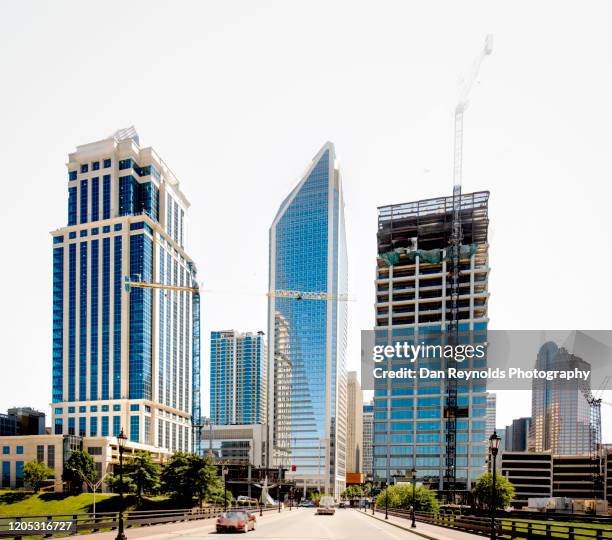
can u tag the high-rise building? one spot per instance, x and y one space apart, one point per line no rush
413 304
307 328
368 434
238 378
354 424
560 412
491 413
122 357
517 435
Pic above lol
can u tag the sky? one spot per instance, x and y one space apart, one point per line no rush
238 96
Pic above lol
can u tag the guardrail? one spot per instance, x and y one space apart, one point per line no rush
509 528
56 525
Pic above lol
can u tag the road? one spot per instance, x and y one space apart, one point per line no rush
300 524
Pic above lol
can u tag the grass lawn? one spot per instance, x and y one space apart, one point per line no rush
560 528
19 503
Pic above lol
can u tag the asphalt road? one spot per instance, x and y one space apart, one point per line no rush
304 524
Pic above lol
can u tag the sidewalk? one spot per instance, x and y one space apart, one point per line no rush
425 530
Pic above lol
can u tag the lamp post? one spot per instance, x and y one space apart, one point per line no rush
494 441
278 488
413 525
386 501
224 473
121 440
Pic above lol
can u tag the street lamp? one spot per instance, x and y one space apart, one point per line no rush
494 441
121 440
413 525
224 473
278 488
386 501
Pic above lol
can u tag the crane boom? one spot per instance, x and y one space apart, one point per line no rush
308 295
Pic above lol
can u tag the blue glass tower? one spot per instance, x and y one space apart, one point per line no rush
307 330
238 378
122 358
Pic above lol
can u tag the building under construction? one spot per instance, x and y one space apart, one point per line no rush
413 302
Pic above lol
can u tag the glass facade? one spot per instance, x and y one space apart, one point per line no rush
308 337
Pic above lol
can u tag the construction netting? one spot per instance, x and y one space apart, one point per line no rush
434 256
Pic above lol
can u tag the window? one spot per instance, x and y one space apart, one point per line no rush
117 226
93 408
58 239
84 168
51 456
116 425
40 453
19 474
134 407
6 450
72 175
94 450
71 409
104 426
59 426
106 229
93 426
58 410
19 449
72 235
116 407
104 408
95 166
82 408
107 163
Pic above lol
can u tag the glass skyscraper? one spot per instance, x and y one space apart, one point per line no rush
307 330
560 412
413 304
122 358
238 378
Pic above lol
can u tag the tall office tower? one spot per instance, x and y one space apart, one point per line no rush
491 413
354 424
560 412
368 438
307 322
517 435
413 305
238 378
122 357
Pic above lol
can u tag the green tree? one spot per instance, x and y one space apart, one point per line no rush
144 473
504 491
35 473
400 496
352 492
80 467
186 476
113 481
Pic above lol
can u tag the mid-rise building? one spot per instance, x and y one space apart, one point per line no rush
354 424
245 444
491 413
307 329
22 421
560 412
123 356
368 438
238 378
413 304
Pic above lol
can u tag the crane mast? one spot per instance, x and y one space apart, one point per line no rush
452 412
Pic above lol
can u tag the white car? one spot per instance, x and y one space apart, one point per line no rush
327 506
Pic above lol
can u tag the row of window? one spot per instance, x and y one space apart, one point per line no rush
84 168
6 450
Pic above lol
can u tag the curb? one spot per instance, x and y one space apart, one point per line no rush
408 529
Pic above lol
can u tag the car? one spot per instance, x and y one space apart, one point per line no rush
236 520
342 504
327 506
307 504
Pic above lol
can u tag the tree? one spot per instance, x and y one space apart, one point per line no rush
80 467
143 473
35 473
113 481
504 491
188 475
400 496
352 492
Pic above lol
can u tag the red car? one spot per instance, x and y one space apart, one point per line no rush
236 520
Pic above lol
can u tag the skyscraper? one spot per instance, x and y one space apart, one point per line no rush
122 357
491 413
517 435
368 438
354 424
560 412
238 378
413 305
307 325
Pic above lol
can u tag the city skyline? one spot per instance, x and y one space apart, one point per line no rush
378 150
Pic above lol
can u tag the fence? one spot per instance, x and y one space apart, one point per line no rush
511 528
56 525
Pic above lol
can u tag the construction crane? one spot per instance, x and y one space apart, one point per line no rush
308 295
196 404
452 411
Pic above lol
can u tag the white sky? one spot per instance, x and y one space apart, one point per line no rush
238 96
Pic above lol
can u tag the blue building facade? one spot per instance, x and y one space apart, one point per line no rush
307 330
122 356
238 378
413 305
